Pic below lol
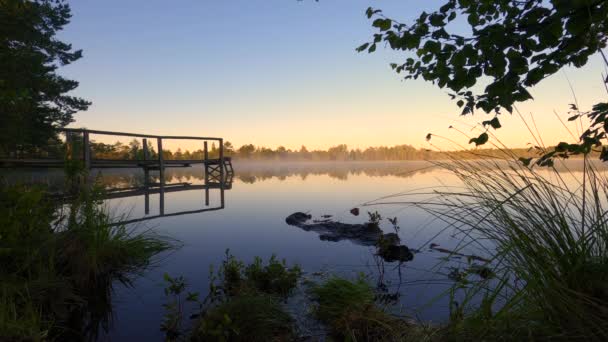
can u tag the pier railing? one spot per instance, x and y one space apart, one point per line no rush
218 165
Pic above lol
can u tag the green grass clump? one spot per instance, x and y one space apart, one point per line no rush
244 302
548 234
57 269
274 278
246 318
348 309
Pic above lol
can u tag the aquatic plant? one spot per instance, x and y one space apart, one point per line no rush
374 218
244 302
234 278
274 278
174 308
247 317
348 309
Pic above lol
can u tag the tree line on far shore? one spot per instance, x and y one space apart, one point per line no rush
134 150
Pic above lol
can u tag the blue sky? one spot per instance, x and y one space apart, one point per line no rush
270 72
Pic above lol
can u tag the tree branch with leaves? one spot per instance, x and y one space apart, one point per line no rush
512 45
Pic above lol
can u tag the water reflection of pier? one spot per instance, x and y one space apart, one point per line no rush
161 189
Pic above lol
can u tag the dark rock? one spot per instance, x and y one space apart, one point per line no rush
393 253
367 234
482 271
391 239
297 218
361 234
355 211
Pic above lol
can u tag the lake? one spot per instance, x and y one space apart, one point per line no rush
248 218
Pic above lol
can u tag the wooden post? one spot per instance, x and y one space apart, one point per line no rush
146 169
222 195
161 172
221 161
147 201
86 150
161 201
205 166
146 177
145 148
161 160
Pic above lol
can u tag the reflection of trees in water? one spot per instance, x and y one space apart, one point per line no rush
250 173
247 172
253 172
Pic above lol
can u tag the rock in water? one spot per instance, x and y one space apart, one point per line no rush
297 218
362 234
396 253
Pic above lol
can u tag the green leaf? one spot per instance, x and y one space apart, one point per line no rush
525 161
574 117
362 47
480 140
382 24
436 19
495 123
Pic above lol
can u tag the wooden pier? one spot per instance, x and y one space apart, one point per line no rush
217 169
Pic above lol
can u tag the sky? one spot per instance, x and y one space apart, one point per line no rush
279 72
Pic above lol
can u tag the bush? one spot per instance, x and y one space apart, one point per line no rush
244 302
274 278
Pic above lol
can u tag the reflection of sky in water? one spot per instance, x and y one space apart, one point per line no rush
253 224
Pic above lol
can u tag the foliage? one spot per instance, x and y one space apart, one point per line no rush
33 97
244 302
395 224
247 317
172 321
274 278
548 235
348 309
513 45
57 268
374 218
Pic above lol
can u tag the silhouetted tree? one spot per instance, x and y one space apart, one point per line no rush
246 151
228 149
33 100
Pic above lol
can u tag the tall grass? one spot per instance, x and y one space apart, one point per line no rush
548 234
58 264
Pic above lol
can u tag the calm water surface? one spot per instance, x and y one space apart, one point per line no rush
252 223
